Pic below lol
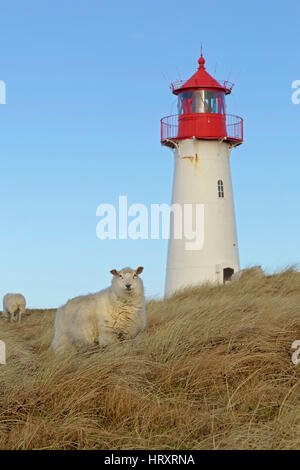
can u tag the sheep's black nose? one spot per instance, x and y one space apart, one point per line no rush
128 286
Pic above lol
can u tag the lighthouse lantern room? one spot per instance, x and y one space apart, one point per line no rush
201 136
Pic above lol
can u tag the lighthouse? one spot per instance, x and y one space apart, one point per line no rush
201 137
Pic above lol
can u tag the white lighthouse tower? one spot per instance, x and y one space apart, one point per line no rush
201 136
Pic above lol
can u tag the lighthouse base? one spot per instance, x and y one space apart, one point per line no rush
180 278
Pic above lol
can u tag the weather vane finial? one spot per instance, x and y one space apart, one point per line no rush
201 61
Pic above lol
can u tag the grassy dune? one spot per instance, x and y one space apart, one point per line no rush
213 370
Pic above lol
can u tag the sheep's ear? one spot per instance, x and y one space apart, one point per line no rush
139 270
114 272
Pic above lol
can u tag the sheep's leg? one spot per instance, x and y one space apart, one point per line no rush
60 344
59 349
12 317
5 313
107 336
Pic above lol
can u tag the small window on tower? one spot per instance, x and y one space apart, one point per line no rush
220 188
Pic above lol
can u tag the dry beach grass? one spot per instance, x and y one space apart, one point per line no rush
213 370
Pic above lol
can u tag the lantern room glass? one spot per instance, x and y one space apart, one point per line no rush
201 101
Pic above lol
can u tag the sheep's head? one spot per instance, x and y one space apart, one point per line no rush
127 281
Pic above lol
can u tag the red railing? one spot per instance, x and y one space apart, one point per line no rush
234 126
169 128
224 84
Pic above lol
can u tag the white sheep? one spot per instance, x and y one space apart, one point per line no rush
13 305
109 316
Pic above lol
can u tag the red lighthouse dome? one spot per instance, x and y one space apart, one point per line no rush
201 111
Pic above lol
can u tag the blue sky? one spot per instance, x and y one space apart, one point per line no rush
87 83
